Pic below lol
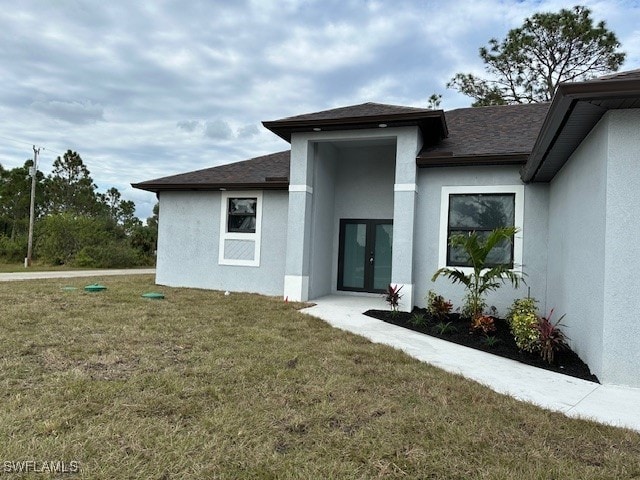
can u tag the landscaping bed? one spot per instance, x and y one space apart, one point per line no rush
566 361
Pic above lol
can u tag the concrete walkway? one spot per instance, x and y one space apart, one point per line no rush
619 406
28 275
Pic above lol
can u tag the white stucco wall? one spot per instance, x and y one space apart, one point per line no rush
577 202
363 188
322 222
621 329
362 185
593 260
189 238
534 233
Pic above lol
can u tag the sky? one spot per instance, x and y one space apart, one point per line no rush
146 89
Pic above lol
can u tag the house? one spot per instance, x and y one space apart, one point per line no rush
368 195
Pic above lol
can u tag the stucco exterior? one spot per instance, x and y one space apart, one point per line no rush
189 239
593 234
533 233
356 171
570 184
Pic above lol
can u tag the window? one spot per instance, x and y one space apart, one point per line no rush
240 228
481 209
241 215
481 213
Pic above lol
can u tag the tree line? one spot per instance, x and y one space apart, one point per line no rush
75 224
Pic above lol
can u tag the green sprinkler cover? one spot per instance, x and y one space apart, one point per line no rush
96 287
153 295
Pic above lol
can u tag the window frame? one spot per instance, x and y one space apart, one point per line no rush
447 191
225 234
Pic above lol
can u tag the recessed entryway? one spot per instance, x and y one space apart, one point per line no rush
364 257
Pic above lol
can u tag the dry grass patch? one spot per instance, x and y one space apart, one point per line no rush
206 386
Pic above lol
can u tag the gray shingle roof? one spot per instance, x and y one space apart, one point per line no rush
504 134
368 109
364 115
476 136
506 130
628 75
268 171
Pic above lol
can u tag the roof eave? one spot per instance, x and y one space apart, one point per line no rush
284 128
159 187
564 101
429 161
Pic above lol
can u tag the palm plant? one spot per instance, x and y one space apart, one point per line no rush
483 278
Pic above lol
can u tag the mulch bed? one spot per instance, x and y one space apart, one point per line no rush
566 362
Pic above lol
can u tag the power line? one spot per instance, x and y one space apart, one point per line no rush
30 144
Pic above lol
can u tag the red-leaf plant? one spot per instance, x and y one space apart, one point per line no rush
484 324
551 338
392 296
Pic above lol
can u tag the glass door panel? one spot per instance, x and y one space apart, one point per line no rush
364 258
355 239
382 256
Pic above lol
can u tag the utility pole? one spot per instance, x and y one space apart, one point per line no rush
32 206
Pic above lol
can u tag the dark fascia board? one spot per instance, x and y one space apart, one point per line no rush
160 187
471 160
567 95
284 128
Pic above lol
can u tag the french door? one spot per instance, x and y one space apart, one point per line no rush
364 256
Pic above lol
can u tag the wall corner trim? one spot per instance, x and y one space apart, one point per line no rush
301 188
405 187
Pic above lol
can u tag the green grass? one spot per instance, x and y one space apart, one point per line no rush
206 386
41 267
36 267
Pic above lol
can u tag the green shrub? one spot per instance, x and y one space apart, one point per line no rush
13 250
523 322
443 328
111 255
60 237
473 307
418 320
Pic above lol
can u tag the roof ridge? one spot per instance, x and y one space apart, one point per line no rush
620 75
516 105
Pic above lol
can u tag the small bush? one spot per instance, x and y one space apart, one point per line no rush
471 306
491 341
484 324
110 255
392 297
523 323
437 307
418 320
443 328
13 250
551 339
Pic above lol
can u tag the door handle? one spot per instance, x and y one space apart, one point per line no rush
370 260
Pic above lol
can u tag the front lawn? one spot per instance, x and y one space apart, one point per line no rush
202 385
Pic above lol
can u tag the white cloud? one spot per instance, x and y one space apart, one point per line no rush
116 81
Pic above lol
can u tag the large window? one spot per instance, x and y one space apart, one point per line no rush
481 209
240 228
480 213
